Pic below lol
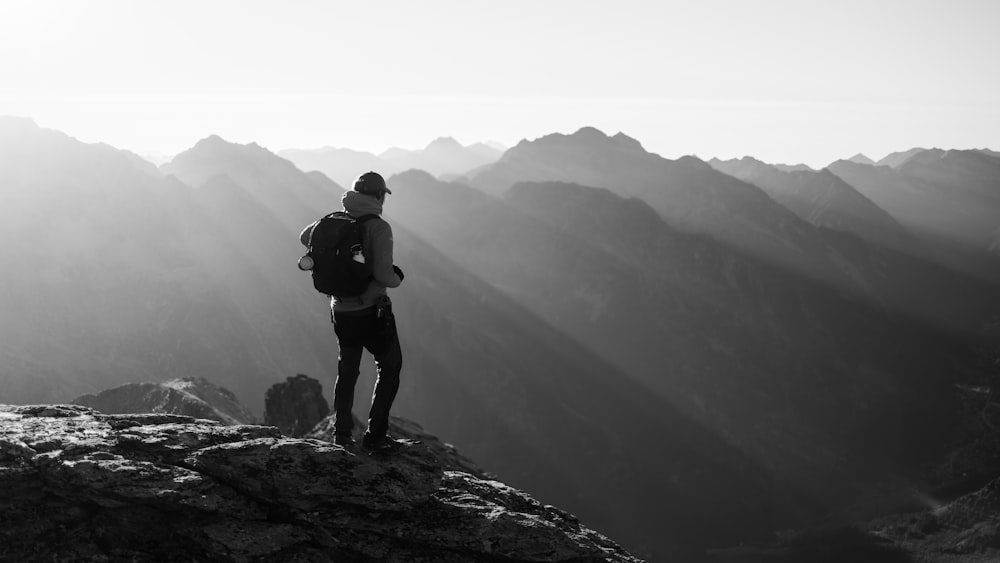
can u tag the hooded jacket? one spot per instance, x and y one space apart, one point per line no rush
377 248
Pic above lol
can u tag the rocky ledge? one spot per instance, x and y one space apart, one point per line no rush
79 485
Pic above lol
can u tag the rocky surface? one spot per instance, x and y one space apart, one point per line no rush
190 396
295 405
400 428
79 485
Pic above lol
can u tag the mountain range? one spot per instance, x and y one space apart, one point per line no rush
687 193
443 156
947 198
824 200
668 350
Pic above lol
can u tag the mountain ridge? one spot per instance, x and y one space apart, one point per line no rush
442 156
824 200
690 195
948 199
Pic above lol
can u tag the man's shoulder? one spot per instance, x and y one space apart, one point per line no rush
375 221
378 228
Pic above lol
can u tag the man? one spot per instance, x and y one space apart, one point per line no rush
366 321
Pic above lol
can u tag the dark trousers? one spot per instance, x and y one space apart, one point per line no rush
357 331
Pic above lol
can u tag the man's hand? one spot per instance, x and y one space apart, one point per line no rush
398 272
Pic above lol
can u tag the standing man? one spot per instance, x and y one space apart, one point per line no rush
366 321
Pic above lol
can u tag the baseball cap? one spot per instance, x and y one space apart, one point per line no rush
371 183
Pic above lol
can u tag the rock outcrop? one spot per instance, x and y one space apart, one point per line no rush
76 484
189 396
447 455
295 405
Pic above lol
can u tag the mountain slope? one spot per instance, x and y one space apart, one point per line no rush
897 159
689 194
949 199
693 197
342 165
824 200
737 345
273 181
522 399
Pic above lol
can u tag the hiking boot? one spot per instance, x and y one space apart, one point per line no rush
344 440
373 444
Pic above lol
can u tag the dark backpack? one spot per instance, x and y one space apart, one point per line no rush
336 246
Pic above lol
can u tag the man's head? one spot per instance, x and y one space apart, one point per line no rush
373 184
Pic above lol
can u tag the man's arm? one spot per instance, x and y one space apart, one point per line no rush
381 250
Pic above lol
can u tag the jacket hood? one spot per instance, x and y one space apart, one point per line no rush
358 204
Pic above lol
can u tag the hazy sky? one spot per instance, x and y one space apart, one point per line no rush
785 81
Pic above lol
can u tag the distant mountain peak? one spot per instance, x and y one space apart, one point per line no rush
860 158
897 159
593 136
414 175
212 141
214 146
589 132
624 140
694 162
444 143
216 142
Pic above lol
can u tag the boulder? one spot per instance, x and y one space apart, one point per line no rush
295 405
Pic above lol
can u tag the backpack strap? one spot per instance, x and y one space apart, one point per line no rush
361 222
